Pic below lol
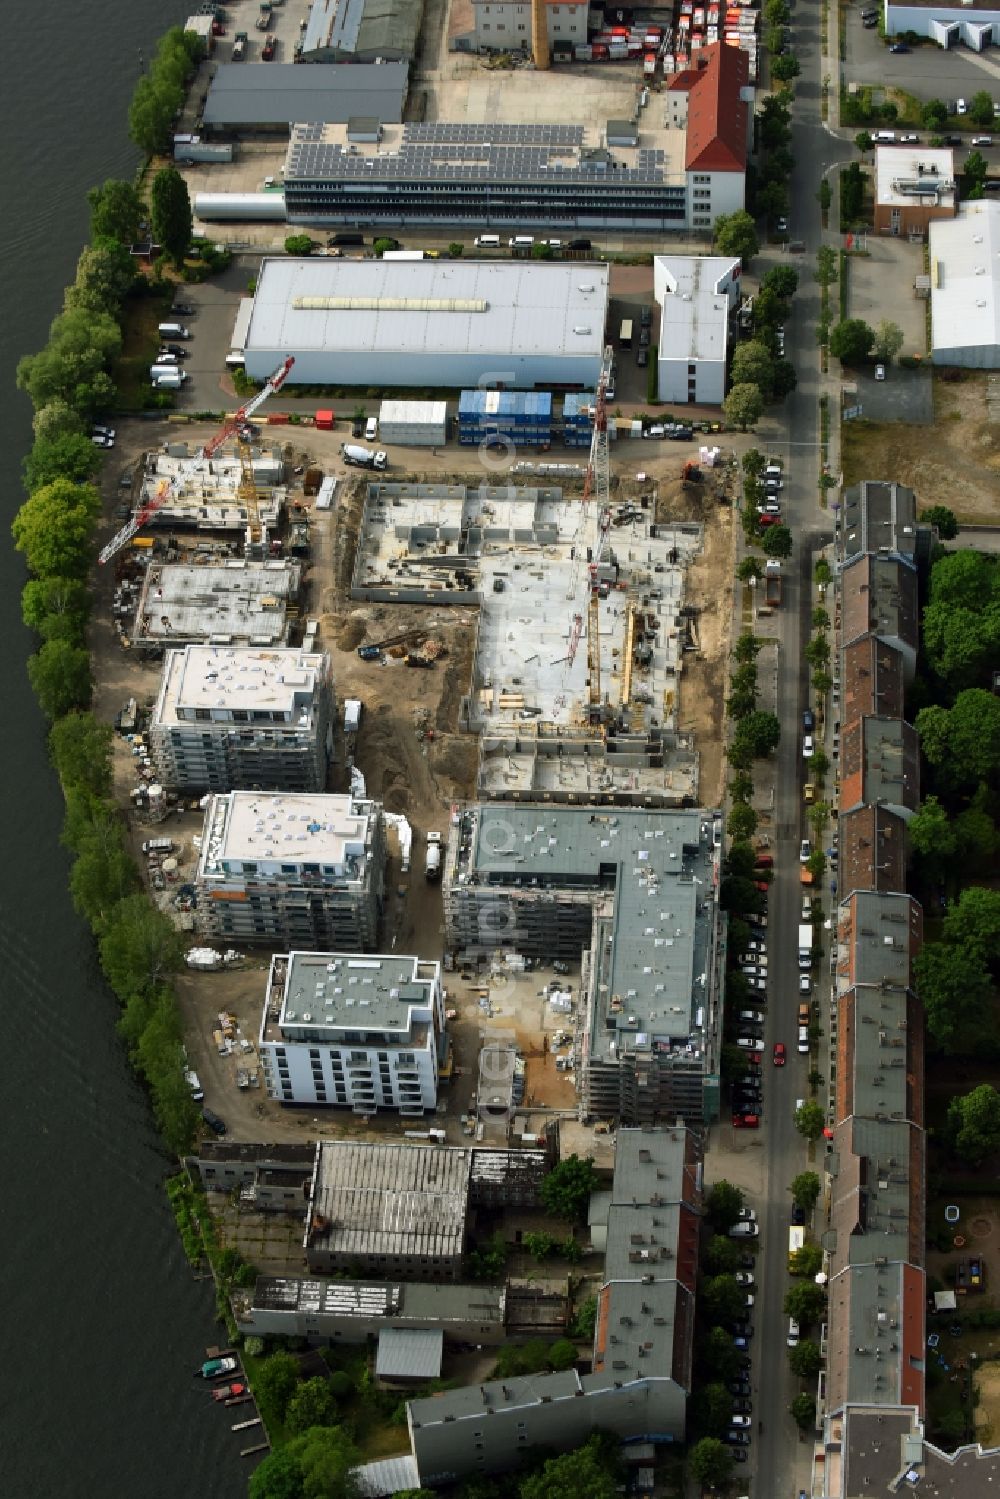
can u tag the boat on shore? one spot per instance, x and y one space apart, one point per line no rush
215 1368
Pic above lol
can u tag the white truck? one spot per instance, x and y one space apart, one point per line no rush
432 862
805 945
359 457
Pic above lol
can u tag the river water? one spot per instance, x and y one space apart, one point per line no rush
102 1320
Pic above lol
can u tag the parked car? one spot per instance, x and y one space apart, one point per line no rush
755 1017
910 140
745 1121
744 1231
739 1387
742 1406
213 1121
808 746
750 1043
805 984
642 358
781 224
798 1215
808 721
961 107
739 1422
748 1215
778 1055
743 1278
982 140
900 47
182 309
880 372
805 849
737 1438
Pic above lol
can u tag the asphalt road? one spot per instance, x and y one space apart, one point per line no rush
779 1459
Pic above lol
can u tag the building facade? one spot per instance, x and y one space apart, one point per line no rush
913 186
364 1033
303 870
235 717
505 25
697 296
712 101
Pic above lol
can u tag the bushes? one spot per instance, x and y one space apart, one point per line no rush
159 95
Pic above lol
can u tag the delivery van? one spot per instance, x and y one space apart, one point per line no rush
487 241
173 330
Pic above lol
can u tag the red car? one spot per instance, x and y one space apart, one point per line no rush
769 520
779 1053
746 1121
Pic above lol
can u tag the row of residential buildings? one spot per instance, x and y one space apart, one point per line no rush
872 1392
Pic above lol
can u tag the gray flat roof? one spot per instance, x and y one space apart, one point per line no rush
654 873
232 603
226 679
390 1200
429 306
297 93
388 27
419 1301
355 991
409 1353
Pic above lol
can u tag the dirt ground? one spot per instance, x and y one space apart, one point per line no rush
955 462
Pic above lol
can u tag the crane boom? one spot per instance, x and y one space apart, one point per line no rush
122 538
236 421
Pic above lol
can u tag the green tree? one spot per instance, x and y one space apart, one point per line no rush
278 1476
540 1245
562 1354
784 379
888 340
942 519
762 732
276 1382
60 677
116 212
72 366
747 647
313 1403
955 992
777 541
590 1470
961 623
977 838
743 406
71 456
754 461
171 213
805 1359
723 1205
974 1124
105 274
973 923
742 821
102 875
782 280
567 1188
713 1409
749 568
807 1261
803 1411
56 608
806 1302
963 742
80 747
851 340
863 141
810 1119
805 1189
785 68
816 862
824 196
721 1255
299 244
53 528
141 948
772 197
932 837
934 115
57 419
710 1463
722 1299
586 1319
752 364
319 1462
741 787
736 234
981 109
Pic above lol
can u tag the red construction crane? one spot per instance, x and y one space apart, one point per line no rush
239 418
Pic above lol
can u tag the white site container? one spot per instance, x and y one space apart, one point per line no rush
413 424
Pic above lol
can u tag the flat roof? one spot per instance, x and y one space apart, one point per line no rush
389 27
874 1184
481 151
314 93
225 603
430 306
694 312
409 1353
924 175
392 1200
240 679
876 1308
429 1301
334 992
965 277
653 873
879 937
286 827
204 493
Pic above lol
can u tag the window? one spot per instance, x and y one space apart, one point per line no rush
240 715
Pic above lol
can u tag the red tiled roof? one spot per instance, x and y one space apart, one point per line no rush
717 116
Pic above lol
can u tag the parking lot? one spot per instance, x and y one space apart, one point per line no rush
927 71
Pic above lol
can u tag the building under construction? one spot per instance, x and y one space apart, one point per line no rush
229 603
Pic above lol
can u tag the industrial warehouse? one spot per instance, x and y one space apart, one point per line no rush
429 323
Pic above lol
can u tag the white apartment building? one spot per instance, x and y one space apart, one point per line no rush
697 296
505 25
300 869
231 717
356 1032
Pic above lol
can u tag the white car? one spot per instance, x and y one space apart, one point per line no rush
750 1043
740 1422
750 1300
961 107
807 908
743 1278
743 1230
803 1040
880 372
755 1017
808 746
805 849
748 1215
805 984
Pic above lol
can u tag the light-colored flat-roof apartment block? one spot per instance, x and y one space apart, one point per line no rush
353 1032
632 893
447 324
697 296
303 870
643 1340
231 717
396 1210
224 603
